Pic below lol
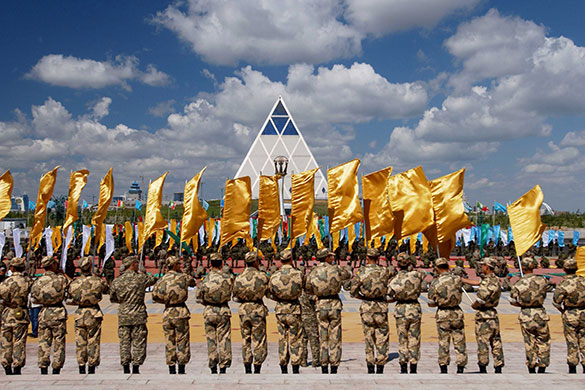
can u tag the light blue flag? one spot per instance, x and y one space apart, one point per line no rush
326 225
576 235
537 244
50 204
500 207
510 235
357 228
204 204
561 239
419 237
490 234
551 236
138 205
221 203
84 205
496 234
31 205
474 233
466 206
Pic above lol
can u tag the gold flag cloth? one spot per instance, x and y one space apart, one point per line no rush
6 185
334 241
302 202
174 230
377 211
445 248
344 196
269 206
236 212
411 202
140 234
159 234
447 195
350 237
210 229
46 186
525 220
580 259
77 180
153 219
194 215
56 238
128 233
106 195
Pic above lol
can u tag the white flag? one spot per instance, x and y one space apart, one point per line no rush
85 238
202 234
109 243
504 237
66 246
16 239
2 242
545 238
48 243
466 234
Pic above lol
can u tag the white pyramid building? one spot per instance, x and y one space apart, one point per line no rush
280 136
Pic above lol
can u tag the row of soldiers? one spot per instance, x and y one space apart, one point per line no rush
294 292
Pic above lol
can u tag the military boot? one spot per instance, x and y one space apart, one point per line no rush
91 369
56 371
82 369
295 368
8 370
403 368
257 368
379 368
16 371
284 369
532 370
460 369
334 369
413 368
172 369
248 368
482 369
214 370
443 369
572 369
181 369
135 369
325 369
371 368
498 369
126 368
222 370
541 370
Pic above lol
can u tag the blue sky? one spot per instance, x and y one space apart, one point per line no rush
492 86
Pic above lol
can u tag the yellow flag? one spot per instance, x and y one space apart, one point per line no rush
377 242
343 190
447 194
174 230
412 240
128 233
193 213
314 231
377 211
210 229
140 232
334 241
350 236
158 238
106 195
56 238
236 212
153 219
6 184
411 203
77 181
46 186
303 201
102 237
580 259
525 220
269 206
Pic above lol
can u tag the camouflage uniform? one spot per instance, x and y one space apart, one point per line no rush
310 330
405 288
325 282
215 290
487 323
172 290
108 271
128 290
370 285
50 290
445 292
530 292
14 293
569 298
249 289
285 287
86 292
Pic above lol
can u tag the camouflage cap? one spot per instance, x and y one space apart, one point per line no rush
172 260
490 262
17 262
47 261
403 259
286 255
250 257
323 253
9 255
529 263
570 265
441 261
128 261
373 252
215 257
84 263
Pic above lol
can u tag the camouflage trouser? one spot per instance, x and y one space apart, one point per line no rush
575 337
49 335
13 343
487 333
132 343
408 340
253 329
310 336
448 330
87 339
217 331
289 338
330 336
376 332
177 341
537 343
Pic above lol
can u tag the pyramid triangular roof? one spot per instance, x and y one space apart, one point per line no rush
280 136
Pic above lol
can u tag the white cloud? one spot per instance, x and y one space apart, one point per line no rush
574 138
484 182
73 72
162 108
291 31
102 108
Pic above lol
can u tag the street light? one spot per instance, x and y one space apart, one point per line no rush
280 168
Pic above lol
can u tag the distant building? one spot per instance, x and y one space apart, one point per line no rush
19 203
178 197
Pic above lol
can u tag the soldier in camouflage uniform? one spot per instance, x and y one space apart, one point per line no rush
249 289
172 290
405 288
445 293
569 299
310 328
128 290
86 292
529 293
325 282
14 294
487 323
214 292
109 270
50 290
285 287
370 285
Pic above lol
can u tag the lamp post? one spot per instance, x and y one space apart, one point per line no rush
280 168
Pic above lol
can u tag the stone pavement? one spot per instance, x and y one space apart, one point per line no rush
154 373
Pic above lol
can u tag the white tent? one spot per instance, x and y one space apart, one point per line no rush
280 136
